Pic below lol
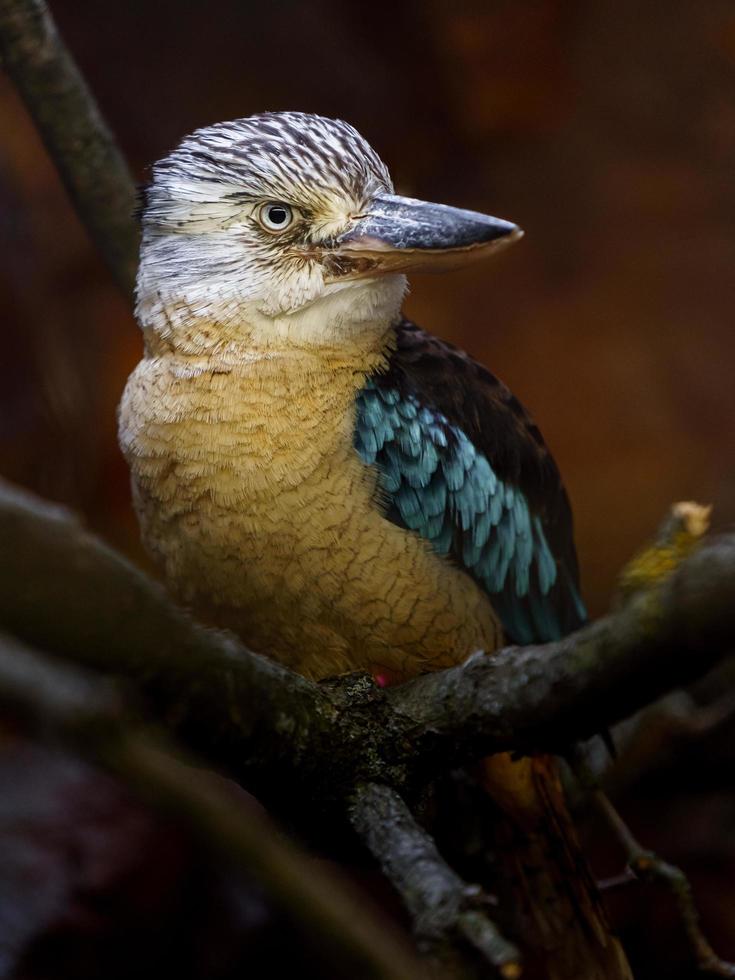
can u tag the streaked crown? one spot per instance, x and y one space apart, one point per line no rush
295 156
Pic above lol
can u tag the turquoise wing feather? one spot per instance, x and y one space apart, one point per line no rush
439 484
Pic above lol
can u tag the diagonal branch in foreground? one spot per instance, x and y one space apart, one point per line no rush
88 715
66 592
77 138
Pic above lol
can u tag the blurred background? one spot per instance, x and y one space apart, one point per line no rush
605 128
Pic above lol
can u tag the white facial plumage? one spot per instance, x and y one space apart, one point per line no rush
235 222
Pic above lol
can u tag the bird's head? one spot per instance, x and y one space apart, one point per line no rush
281 211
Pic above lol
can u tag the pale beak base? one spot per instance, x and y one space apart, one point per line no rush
400 234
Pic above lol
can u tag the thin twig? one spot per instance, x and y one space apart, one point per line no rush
648 866
654 740
71 125
622 880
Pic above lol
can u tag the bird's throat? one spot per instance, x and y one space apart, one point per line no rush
215 318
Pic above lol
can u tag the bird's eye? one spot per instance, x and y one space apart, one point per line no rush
275 216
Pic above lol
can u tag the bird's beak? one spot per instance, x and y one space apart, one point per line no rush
400 234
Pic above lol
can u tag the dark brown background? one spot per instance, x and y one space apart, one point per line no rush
606 129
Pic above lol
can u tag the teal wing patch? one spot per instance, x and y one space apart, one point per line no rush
440 486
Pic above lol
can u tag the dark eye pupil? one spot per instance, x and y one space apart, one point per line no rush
277 215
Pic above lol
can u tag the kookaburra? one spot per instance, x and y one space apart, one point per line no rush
310 469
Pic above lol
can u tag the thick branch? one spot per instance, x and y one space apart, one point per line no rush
66 592
87 714
76 136
548 696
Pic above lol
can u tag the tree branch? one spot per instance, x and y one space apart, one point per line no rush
545 697
88 714
77 138
644 865
63 590
442 906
